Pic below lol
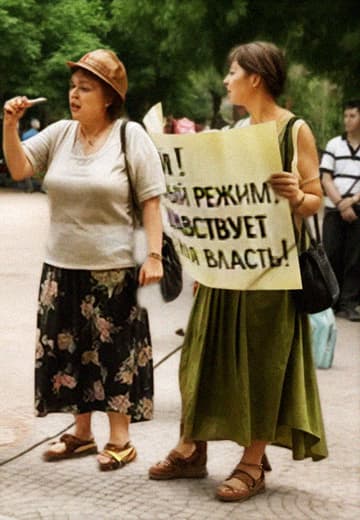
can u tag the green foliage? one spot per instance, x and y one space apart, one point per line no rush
157 42
40 37
20 44
317 100
176 51
331 41
197 97
70 29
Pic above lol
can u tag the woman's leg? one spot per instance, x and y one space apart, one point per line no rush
247 479
118 434
119 428
253 455
185 447
82 428
187 460
80 443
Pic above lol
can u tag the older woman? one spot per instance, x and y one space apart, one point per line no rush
93 350
246 371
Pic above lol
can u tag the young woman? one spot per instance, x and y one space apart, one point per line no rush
246 371
93 352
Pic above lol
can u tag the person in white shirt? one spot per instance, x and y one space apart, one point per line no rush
93 351
340 168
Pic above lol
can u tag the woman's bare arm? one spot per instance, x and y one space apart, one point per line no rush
303 192
152 270
16 160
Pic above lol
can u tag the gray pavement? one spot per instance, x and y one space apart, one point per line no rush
75 490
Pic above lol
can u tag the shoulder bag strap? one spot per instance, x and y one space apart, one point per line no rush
288 143
127 168
290 150
123 148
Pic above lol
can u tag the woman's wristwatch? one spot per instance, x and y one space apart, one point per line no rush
155 255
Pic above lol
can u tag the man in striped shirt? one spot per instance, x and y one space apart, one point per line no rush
340 169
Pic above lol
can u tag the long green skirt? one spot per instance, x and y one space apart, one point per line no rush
247 372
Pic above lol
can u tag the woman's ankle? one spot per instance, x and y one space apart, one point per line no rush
119 429
253 461
185 447
119 441
253 455
82 428
83 435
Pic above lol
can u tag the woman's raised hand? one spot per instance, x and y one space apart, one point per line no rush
15 108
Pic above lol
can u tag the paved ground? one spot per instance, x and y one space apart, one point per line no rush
76 490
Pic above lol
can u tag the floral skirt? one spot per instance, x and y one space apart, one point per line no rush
93 348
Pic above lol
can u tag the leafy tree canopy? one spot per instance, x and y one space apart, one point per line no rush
174 51
20 46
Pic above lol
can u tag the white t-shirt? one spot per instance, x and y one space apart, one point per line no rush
343 163
91 217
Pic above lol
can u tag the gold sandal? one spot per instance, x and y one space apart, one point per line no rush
227 493
118 456
72 447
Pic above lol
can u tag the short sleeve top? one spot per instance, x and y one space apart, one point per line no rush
91 214
342 162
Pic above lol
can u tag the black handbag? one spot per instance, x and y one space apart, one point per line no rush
172 281
320 287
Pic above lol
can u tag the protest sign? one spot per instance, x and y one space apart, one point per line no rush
229 227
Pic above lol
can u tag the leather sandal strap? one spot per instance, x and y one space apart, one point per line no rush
237 475
259 466
176 458
118 456
68 438
74 444
238 471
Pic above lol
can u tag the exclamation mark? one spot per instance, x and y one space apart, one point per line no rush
178 159
285 255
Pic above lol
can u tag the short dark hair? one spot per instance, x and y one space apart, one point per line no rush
265 59
353 103
115 110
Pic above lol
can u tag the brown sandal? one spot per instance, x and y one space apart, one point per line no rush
176 465
73 447
227 493
118 456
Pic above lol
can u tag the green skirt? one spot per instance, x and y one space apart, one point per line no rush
247 372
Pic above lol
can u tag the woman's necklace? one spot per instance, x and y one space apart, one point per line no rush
91 141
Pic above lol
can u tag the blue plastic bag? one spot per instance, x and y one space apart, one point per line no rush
324 334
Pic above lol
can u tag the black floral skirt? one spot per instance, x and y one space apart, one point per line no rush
93 348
